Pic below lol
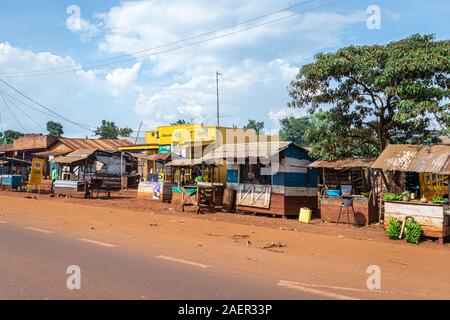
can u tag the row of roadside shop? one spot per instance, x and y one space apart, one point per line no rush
275 178
353 191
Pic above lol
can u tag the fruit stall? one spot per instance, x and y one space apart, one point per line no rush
351 179
422 173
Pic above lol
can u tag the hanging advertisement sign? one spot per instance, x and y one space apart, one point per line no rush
165 149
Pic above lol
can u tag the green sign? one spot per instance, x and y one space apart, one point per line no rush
165 149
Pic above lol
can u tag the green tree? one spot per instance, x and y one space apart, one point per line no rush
393 92
55 129
8 136
179 122
294 129
109 130
332 137
255 125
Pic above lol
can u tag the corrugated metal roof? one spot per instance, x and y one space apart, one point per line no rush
156 157
342 163
185 162
49 153
81 153
8 159
415 158
75 156
139 155
433 159
6 147
100 144
152 157
67 160
247 150
396 157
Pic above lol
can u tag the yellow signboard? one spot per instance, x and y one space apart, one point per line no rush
37 170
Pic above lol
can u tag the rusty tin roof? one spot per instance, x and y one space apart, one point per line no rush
342 163
100 144
415 158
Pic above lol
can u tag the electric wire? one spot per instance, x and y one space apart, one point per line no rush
13 114
140 57
166 44
25 114
83 126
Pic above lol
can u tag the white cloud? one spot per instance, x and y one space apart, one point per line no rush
122 78
257 64
278 114
15 60
134 26
88 75
77 95
247 91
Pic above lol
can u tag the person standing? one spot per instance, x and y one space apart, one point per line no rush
54 178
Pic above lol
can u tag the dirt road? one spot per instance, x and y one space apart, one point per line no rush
307 264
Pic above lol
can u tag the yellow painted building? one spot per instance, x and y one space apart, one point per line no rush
191 140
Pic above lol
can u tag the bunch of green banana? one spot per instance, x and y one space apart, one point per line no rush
393 229
413 231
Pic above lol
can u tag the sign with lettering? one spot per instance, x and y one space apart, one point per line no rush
37 170
165 149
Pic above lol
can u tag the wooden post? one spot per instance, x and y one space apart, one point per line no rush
84 177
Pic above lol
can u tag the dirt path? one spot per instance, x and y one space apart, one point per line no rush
277 249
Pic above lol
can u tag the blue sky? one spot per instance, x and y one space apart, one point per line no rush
257 65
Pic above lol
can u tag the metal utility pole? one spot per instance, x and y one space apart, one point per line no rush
218 103
218 119
139 132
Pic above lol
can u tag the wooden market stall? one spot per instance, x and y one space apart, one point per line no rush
14 173
159 179
269 177
426 203
196 185
92 171
347 179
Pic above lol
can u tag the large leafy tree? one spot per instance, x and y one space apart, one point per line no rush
179 122
109 130
294 129
258 126
332 137
8 136
55 129
396 92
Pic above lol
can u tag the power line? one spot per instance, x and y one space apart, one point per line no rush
10 110
11 97
164 45
79 68
25 114
1 122
83 126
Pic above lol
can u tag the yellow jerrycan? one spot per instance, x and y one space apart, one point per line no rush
305 215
